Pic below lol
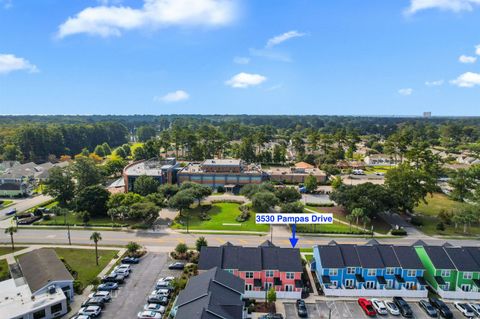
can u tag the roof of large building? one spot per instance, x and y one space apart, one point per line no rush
259 258
198 168
212 294
462 259
303 165
151 167
222 162
439 257
42 266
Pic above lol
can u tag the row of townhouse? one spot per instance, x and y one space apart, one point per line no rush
369 270
261 268
454 272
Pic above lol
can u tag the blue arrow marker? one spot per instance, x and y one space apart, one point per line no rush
293 240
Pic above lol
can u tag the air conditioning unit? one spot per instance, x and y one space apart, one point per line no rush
52 289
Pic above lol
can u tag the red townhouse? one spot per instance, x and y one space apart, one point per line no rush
260 267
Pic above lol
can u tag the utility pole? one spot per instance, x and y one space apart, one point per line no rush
271 233
68 227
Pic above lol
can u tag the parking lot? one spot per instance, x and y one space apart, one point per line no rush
351 310
130 298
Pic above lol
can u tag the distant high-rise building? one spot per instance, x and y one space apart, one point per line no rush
427 114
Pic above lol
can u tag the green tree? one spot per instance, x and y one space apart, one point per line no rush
201 241
372 198
292 208
181 249
168 190
357 214
145 185
86 172
146 211
462 185
96 237
92 199
263 201
114 167
85 216
337 182
288 195
120 152
350 218
12 152
311 183
271 296
139 153
60 185
106 149
99 150
198 191
133 248
10 231
182 201
146 132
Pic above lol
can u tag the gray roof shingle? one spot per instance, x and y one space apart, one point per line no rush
462 259
439 257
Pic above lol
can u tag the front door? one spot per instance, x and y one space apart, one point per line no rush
370 284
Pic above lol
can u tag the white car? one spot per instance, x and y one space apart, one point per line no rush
169 278
163 284
122 271
92 311
124 266
379 307
476 308
392 308
105 295
161 292
149 315
465 309
154 307
80 317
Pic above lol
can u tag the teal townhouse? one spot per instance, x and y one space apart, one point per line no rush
370 270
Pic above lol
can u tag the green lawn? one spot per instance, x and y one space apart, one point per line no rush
6 203
4 272
94 221
222 218
83 261
378 169
336 227
8 250
428 213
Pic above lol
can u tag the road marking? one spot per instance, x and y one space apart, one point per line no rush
219 240
243 241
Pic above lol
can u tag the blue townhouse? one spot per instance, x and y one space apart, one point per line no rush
372 269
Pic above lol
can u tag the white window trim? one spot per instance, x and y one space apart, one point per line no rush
268 272
446 273
247 286
351 270
470 275
290 275
371 270
410 272
247 273
390 271
333 272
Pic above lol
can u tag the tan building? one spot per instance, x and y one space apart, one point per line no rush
295 174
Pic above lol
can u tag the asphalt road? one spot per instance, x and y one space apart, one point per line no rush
24 204
167 238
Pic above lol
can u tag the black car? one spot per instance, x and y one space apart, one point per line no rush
301 309
403 306
177 265
159 299
130 260
442 308
428 308
119 279
95 301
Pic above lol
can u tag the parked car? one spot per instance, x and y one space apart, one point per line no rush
465 309
105 295
161 292
442 308
367 307
301 309
95 301
81 317
130 260
476 308
392 308
154 307
428 308
403 306
168 278
177 265
119 279
108 286
149 315
124 266
163 284
159 299
12 211
121 271
272 316
92 311
380 307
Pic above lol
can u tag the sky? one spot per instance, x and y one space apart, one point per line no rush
342 57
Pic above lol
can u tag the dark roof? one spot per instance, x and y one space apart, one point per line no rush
326 279
408 258
267 243
10 186
439 257
462 259
439 280
350 256
399 279
381 280
212 294
372 242
476 282
251 258
388 256
41 267
421 281
369 257
331 256
359 278
475 253
419 243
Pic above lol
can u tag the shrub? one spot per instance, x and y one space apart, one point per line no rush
399 232
77 287
440 226
47 217
181 248
321 204
221 189
416 221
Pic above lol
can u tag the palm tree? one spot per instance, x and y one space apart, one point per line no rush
96 237
10 230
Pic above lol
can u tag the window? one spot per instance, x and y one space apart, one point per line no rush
39 314
466 287
248 287
371 272
268 285
349 283
351 270
409 285
370 284
467 275
56 308
411 273
445 273
447 286
249 274
290 275
288 287
390 271
269 273
333 272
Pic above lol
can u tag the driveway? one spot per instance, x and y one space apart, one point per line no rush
24 204
316 199
132 296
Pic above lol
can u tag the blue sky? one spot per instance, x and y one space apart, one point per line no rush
360 57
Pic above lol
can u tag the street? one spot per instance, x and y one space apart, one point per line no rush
24 204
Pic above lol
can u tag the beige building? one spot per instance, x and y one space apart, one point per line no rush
295 174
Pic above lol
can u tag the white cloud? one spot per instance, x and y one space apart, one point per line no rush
283 37
241 60
244 80
467 80
175 96
434 83
10 63
405 91
477 49
107 21
445 5
467 59
271 55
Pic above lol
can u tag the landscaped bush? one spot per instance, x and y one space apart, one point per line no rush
77 287
321 204
399 232
245 215
47 217
221 189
